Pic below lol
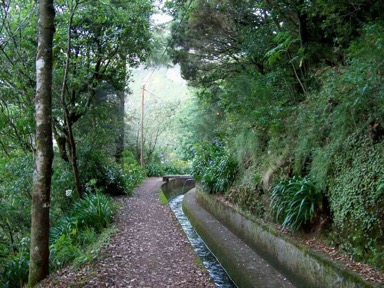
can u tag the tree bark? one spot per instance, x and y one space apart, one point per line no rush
39 252
121 128
73 155
68 119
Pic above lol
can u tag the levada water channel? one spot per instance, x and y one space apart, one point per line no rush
215 270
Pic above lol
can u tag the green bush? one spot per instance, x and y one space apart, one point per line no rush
153 170
16 271
62 195
85 220
132 172
65 226
112 178
168 168
15 217
95 210
213 167
296 202
63 251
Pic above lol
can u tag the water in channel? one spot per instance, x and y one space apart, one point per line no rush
216 271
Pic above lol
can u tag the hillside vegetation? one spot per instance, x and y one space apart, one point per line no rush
288 116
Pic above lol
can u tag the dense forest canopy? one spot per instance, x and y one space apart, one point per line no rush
291 95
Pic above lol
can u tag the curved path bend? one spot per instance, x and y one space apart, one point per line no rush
149 250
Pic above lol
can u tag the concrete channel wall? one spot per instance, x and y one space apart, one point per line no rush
175 186
304 267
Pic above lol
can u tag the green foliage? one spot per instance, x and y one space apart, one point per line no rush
340 139
131 172
95 211
154 170
86 219
294 89
15 202
213 167
295 202
62 190
357 198
92 250
111 177
16 272
250 200
168 168
63 251
15 265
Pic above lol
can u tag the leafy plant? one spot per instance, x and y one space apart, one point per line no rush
63 251
87 218
154 170
357 198
16 271
132 173
213 167
111 177
168 168
95 210
296 202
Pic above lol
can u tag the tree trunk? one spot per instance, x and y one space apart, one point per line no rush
39 254
73 155
120 127
69 121
61 141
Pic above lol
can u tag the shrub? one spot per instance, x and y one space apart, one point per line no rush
168 168
66 226
63 251
16 271
111 177
132 172
16 172
86 218
95 210
213 167
62 195
154 170
296 202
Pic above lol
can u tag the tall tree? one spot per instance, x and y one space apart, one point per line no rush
39 252
100 40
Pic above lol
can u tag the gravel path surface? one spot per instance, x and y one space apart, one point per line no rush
149 250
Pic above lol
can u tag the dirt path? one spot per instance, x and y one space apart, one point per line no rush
149 249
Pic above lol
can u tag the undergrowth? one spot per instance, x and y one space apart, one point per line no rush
84 222
213 167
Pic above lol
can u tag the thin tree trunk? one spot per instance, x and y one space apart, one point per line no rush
120 127
39 252
121 111
68 121
73 156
